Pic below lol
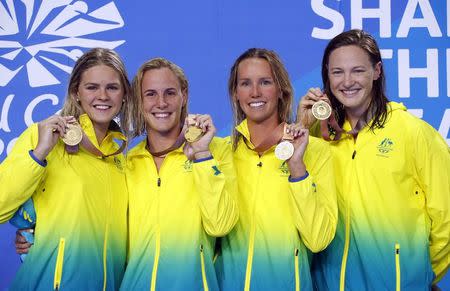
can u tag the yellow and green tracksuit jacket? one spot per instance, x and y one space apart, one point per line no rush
81 208
394 202
175 216
281 220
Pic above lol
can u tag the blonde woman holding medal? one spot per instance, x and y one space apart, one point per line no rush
182 192
287 194
392 173
71 168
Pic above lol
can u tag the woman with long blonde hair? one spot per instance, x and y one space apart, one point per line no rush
287 201
74 172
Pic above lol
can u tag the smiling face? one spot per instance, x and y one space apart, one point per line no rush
351 76
100 94
256 91
163 101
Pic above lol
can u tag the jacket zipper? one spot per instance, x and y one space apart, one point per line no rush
297 271
397 267
251 243
158 241
202 261
59 264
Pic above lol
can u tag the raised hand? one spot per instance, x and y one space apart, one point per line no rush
50 130
304 113
296 165
200 149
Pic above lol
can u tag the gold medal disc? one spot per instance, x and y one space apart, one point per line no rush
193 133
321 110
73 135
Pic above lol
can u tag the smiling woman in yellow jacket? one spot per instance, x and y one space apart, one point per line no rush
182 194
80 198
392 173
287 208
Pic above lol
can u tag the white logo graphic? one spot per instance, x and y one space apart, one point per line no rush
72 22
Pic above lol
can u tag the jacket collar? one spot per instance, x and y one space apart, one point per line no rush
141 149
391 106
242 128
88 128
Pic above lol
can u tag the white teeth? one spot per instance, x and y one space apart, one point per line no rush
257 104
103 107
349 92
161 115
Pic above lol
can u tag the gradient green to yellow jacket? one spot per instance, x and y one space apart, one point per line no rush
394 201
175 216
81 208
281 221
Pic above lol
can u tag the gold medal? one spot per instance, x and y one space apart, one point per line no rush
321 110
193 133
73 135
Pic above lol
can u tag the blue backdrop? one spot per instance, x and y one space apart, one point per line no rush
40 40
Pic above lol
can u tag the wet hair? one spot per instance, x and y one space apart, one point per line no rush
281 78
139 124
378 104
92 58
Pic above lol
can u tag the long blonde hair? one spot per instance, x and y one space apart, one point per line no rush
139 125
92 58
282 81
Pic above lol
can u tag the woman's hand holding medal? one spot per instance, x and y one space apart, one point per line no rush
299 141
50 130
313 106
200 130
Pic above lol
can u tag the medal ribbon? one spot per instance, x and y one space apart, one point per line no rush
180 140
278 134
87 144
330 126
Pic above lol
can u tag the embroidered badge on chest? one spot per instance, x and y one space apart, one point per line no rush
284 170
187 166
385 147
118 163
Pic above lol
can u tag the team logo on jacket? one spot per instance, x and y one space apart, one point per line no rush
284 170
187 166
118 163
385 147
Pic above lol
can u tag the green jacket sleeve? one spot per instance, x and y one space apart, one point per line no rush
314 199
215 180
20 174
433 170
